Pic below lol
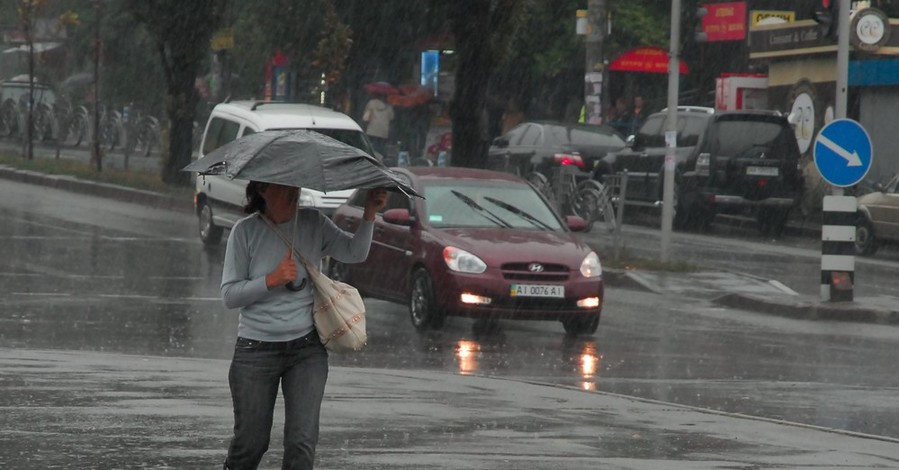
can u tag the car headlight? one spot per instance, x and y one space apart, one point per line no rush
463 261
590 266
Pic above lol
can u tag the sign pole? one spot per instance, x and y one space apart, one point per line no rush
842 84
671 132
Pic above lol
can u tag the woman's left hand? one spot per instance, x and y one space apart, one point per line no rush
376 200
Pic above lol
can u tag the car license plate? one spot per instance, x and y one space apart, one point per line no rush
537 290
761 170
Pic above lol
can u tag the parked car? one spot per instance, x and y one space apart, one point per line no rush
542 145
878 217
219 201
17 88
482 244
744 162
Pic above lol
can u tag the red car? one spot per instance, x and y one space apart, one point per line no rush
482 244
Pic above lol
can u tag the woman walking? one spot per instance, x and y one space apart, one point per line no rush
277 344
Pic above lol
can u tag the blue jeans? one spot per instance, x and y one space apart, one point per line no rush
301 368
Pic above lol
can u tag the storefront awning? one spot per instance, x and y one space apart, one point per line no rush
645 59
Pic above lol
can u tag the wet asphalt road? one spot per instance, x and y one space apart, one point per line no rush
82 273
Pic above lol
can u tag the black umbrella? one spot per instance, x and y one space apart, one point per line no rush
300 158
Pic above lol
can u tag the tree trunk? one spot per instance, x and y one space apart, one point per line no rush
181 110
471 23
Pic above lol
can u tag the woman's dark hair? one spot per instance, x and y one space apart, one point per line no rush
255 202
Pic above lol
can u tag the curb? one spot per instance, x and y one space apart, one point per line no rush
808 310
105 190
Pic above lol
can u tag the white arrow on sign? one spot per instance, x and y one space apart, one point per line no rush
852 159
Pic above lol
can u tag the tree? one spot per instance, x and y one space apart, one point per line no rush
483 30
181 31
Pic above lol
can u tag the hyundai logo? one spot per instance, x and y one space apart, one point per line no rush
535 268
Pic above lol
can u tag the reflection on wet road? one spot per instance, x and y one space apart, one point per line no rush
81 273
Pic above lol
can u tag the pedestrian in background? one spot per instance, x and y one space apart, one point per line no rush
378 115
637 114
277 343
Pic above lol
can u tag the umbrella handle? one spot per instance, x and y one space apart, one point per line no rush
294 288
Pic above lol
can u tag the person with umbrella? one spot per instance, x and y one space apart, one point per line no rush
277 342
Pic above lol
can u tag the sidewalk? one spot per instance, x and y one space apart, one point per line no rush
63 409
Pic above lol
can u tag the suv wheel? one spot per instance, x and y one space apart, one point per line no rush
771 222
210 233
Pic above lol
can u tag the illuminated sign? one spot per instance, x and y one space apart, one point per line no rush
724 21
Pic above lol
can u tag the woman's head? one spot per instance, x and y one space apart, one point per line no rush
277 201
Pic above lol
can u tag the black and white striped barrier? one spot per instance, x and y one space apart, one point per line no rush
837 248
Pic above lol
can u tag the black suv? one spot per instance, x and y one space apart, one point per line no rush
726 162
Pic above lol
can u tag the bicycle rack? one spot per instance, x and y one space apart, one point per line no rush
616 184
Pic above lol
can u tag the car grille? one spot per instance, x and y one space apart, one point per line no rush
522 272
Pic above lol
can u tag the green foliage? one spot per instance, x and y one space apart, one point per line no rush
637 23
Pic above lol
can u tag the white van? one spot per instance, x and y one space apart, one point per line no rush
219 201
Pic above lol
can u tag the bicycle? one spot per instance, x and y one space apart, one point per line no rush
588 198
141 133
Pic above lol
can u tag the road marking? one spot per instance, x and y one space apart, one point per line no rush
783 287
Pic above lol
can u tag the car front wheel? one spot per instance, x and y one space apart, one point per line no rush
865 242
210 233
422 304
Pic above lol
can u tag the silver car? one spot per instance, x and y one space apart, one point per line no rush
878 217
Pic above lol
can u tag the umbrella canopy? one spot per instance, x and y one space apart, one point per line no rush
645 59
381 88
300 158
410 96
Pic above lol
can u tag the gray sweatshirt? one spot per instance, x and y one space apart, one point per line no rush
254 250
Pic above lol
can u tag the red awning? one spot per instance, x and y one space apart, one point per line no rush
645 59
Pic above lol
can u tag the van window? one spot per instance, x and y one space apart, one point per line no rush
350 137
220 132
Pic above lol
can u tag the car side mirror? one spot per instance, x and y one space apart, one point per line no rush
501 142
576 223
629 143
398 217
879 187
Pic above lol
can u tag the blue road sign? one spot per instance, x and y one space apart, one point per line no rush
843 152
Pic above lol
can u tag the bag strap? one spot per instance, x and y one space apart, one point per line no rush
309 267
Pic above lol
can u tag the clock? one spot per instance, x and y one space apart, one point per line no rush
869 29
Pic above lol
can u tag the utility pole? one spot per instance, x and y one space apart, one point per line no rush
671 132
594 67
96 150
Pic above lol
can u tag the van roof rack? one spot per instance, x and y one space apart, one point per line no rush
257 104
693 109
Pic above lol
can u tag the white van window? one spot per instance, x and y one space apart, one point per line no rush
220 132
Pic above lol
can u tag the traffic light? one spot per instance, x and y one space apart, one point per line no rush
700 35
825 14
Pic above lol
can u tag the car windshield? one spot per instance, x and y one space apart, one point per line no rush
488 203
583 136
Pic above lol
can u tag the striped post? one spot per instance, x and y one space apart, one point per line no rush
837 247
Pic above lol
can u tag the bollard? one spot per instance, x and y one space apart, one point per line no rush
837 248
